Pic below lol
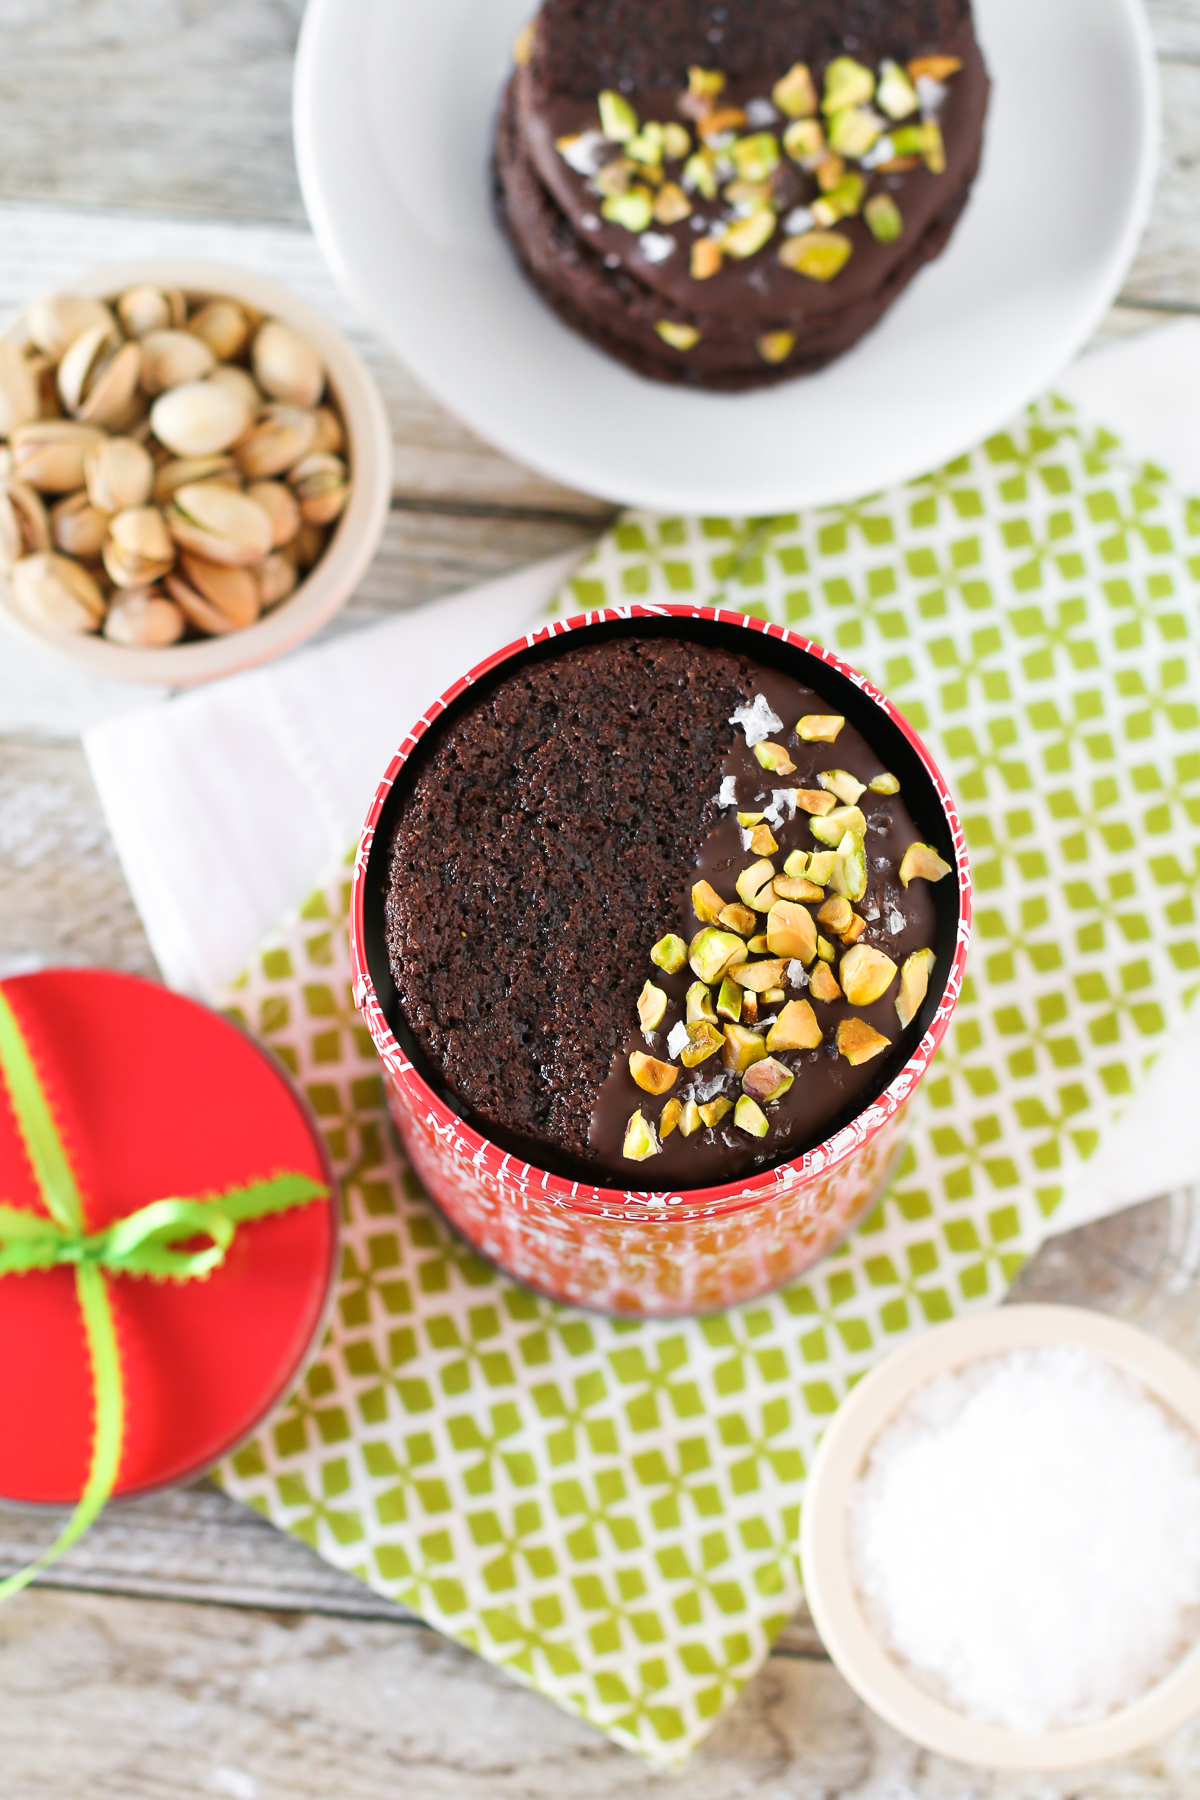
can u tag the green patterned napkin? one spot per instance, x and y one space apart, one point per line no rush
609 1511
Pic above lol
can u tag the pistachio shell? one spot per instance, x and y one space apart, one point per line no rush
144 309
79 527
223 325
53 590
330 436
19 401
139 549
98 376
286 365
56 321
183 471
200 418
169 358
24 527
280 506
320 485
239 382
119 473
215 597
276 578
309 544
220 524
279 438
144 621
49 453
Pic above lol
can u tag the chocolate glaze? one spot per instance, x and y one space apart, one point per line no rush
826 1088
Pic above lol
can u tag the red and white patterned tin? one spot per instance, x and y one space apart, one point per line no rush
636 1253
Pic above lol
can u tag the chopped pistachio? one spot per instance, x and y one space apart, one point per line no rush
706 258
689 1118
704 1040
825 950
614 177
819 728
908 140
767 1080
790 931
743 239
656 1077
796 887
854 130
854 929
634 210
922 862
759 975
884 784
729 1000
618 121
833 828
747 819
522 48
775 758
847 83
671 204
669 1118
809 800
751 882
712 953
700 174
895 93
742 1047
669 954
935 67
858 1042
706 902
773 996
749 1007
699 1004
776 346
914 985
796 867
755 157
821 866
836 914
748 196
640 1141
849 875
829 171
847 787
823 984
794 93
758 945
842 201
680 337
676 140
884 219
652 1004
704 84
738 918
714 1111
762 841
804 140
749 1116
935 148
796 1028
818 254
866 975
724 118
647 145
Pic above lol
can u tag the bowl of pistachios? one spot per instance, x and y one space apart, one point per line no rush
195 470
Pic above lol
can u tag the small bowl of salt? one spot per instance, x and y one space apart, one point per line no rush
1001 1539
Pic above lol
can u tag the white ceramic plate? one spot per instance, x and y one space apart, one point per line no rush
829 1586
394 106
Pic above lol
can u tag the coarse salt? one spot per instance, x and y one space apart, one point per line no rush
756 720
726 795
1026 1538
677 1039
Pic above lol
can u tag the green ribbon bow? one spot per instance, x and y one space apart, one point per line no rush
146 1243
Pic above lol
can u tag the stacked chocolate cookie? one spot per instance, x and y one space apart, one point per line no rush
732 194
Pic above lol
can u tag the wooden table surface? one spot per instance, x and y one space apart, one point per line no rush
186 1648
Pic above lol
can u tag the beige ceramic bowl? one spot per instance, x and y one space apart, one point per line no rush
329 585
833 1600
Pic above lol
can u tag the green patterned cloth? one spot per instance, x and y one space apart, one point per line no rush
609 1511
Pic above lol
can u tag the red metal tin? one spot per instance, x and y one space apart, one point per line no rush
633 1252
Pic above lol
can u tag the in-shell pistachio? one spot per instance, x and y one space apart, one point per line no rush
58 319
176 474
50 453
280 437
119 473
224 326
19 398
169 358
138 550
286 366
329 435
79 527
201 418
144 621
215 597
24 528
98 376
321 486
280 506
52 590
240 382
276 578
219 523
144 309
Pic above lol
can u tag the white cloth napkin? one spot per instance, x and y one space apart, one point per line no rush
227 803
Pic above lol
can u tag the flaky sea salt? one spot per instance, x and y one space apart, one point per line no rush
677 1039
1026 1538
797 974
756 720
726 795
784 800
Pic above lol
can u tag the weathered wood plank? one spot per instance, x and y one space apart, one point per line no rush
1166 271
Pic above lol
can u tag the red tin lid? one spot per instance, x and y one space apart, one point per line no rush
156 1097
